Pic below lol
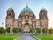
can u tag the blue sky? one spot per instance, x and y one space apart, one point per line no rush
18 5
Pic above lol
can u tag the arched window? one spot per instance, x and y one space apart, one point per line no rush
9 14
27 17
33 25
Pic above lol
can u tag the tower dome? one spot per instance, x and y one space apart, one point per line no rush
10 9
43 13
43 9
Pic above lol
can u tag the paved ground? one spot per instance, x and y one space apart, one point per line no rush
26 37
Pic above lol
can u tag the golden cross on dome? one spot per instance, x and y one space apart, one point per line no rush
26 5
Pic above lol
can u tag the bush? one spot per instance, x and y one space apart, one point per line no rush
8 30
50 31
14 30
19 30
31 30
44 30
38 30
2 30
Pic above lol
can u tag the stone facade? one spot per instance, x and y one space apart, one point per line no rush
26 19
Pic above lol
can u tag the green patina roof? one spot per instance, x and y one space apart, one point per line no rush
43 9
10 9
26 9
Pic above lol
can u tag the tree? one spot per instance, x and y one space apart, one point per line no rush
31 30
19 30
44 30
2 30
14 30
8 30
38 30
50 31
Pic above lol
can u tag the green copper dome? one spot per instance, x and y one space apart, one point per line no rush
10 9
26 9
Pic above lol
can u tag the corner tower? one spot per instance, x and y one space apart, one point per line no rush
43 19
43 14
10 13
10 18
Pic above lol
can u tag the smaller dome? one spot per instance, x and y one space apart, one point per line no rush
43 9
10 9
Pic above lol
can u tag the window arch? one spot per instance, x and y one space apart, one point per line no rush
26 17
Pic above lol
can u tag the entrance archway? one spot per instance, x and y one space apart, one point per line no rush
26 28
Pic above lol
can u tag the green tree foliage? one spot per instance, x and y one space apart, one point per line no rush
8 30
14 30
31 30
2 30
50 31
44 30
38 30
19 30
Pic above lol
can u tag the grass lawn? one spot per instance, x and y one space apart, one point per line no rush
44 37
9 36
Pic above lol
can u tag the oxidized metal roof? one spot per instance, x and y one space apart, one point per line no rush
10 9
26 9
43 9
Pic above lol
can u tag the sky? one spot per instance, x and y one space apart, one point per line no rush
18 5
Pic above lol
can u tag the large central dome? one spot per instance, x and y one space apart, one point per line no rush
26 9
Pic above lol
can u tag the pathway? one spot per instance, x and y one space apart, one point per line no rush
27 36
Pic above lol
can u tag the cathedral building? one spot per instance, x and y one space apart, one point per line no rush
26 19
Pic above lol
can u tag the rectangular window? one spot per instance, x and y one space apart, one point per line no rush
20 24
